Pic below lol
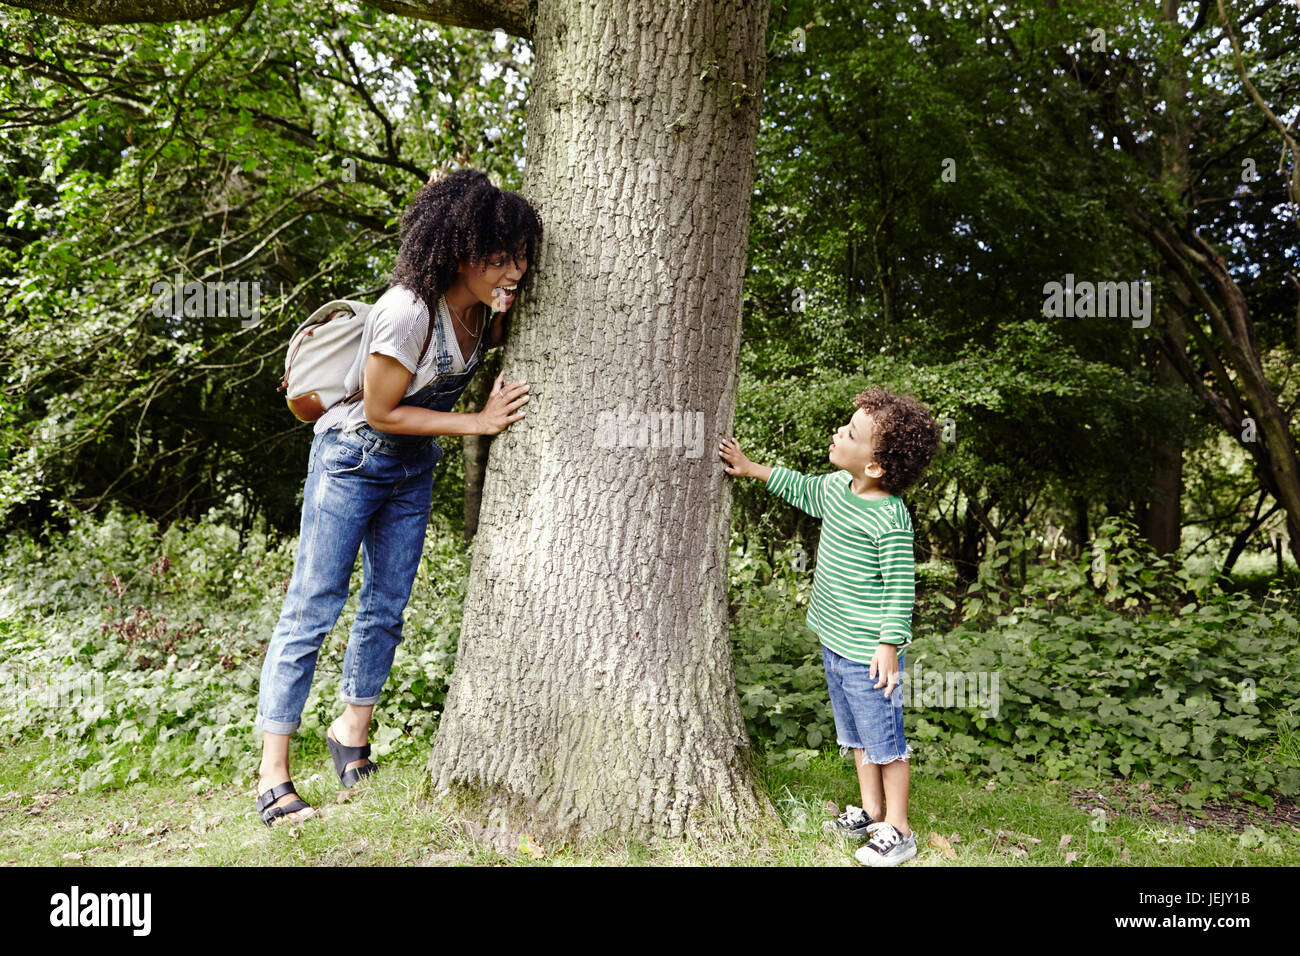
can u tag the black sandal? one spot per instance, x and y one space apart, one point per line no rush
344 755
270 814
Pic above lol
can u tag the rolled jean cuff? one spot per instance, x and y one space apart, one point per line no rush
276 726
359 701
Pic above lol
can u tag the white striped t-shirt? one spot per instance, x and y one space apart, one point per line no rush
396 326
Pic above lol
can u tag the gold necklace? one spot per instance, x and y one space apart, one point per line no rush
461 324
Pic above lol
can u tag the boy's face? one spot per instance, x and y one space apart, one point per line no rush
853 447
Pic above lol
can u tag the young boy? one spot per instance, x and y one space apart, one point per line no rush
862 594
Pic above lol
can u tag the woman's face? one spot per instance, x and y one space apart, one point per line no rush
492 279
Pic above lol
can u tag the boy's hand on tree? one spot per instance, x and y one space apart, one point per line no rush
884 666
739 465
502 406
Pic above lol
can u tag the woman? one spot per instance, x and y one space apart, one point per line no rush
465 247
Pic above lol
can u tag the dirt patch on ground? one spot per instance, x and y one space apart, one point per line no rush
1137 800
30 804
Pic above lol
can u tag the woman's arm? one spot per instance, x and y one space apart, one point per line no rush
385 380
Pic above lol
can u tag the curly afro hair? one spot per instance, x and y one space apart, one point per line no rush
906 436
462 216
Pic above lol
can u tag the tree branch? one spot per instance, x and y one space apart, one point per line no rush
105 12
515 17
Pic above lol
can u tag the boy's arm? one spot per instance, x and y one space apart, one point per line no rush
898 568
805 492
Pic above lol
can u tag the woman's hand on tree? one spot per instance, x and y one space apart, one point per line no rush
503 406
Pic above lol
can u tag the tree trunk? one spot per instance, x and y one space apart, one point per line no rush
1163 522
593 691
1164 517
1082 533
475 447
972 534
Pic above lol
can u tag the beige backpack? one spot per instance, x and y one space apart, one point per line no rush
321 353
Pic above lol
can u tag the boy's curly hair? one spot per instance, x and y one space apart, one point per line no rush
906 436
462 216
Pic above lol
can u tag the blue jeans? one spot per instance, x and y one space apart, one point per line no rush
865 719
362 492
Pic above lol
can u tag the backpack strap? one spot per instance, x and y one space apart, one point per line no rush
427 338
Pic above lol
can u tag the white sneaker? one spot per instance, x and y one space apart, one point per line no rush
887 847
852 823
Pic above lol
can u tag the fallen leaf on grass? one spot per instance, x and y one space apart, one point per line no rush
526 845
1065 840
832 808
941 843
1014 842
73 856
1070 858
955 838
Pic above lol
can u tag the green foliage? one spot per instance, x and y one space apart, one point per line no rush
1199 701
779 674
139 653
1197 698
1122 573
285 161
921 261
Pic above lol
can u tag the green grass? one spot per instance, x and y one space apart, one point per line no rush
185 823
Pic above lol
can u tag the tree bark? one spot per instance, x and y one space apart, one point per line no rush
101 12
593 691
475 447
1082 532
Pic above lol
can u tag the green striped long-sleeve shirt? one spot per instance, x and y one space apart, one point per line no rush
865 580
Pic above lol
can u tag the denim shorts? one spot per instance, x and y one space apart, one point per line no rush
865 719
364 493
